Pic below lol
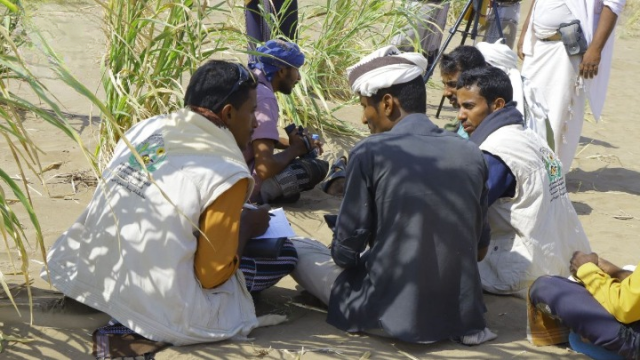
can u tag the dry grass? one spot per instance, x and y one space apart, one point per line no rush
629 22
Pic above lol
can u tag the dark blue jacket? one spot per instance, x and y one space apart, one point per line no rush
415 199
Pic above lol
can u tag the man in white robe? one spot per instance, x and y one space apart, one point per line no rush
566 81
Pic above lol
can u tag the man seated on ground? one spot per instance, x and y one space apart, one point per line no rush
461 59
415 200
528 99
604 309
280 177
137 253
534 227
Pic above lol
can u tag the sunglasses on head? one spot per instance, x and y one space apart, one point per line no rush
243 76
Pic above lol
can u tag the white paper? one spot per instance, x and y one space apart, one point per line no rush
278 226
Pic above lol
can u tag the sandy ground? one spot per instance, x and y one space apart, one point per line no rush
604 187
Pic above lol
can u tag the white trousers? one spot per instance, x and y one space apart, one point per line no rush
315 272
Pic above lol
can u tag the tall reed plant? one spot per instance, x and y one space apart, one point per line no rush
15 197
152 44
334 35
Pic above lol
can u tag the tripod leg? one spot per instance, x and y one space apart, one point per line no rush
452 32
439 108
468 26
476 20
497 20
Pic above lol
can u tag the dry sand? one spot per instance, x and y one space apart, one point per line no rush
604 187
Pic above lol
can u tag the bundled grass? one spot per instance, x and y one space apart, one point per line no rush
151 45
14 71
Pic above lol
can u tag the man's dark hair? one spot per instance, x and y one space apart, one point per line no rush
461 59
492 82
212 82
411 95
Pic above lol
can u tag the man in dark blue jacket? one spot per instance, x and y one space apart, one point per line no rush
412 223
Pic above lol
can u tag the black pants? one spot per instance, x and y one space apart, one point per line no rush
258 29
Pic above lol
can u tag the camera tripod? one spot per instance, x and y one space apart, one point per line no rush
471 29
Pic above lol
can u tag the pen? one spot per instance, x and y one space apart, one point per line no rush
253 207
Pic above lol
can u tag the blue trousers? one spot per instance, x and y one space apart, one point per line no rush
578 310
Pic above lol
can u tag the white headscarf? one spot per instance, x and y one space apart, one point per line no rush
383 68
501 56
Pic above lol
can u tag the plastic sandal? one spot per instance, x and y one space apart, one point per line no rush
338 170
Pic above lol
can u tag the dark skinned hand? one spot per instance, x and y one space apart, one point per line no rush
296 142
590 63
255 222
579 258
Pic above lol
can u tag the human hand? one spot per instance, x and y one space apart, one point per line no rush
297 143
255 221
590 63
579 258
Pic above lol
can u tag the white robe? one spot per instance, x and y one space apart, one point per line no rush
555 76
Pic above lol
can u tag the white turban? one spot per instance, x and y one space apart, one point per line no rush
383 68
498 55
501 56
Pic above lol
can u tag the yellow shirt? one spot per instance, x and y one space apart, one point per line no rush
216 259
620 298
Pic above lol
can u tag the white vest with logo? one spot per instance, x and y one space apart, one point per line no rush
131 253
537 231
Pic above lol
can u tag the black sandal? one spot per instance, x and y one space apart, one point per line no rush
338 170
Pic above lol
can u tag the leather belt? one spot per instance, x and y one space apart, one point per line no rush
554 37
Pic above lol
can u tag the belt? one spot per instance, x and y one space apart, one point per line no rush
554 37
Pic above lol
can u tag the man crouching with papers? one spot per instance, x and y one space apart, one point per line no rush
415 200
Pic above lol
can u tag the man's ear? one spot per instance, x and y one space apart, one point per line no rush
227 113
498 104
388 105
282 72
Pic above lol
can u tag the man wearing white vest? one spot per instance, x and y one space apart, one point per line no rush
160 244
534 227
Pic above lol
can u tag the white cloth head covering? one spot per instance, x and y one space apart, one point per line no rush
384 68
501 56
498 55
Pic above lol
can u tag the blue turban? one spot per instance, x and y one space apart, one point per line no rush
276 54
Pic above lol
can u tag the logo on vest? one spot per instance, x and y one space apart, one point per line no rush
554 173
152 152
130 174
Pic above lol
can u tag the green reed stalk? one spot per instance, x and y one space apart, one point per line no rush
15 72
151 45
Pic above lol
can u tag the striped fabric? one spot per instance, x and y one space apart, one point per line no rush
116 341
262 273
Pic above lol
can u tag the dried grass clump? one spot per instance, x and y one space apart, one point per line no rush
629 22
